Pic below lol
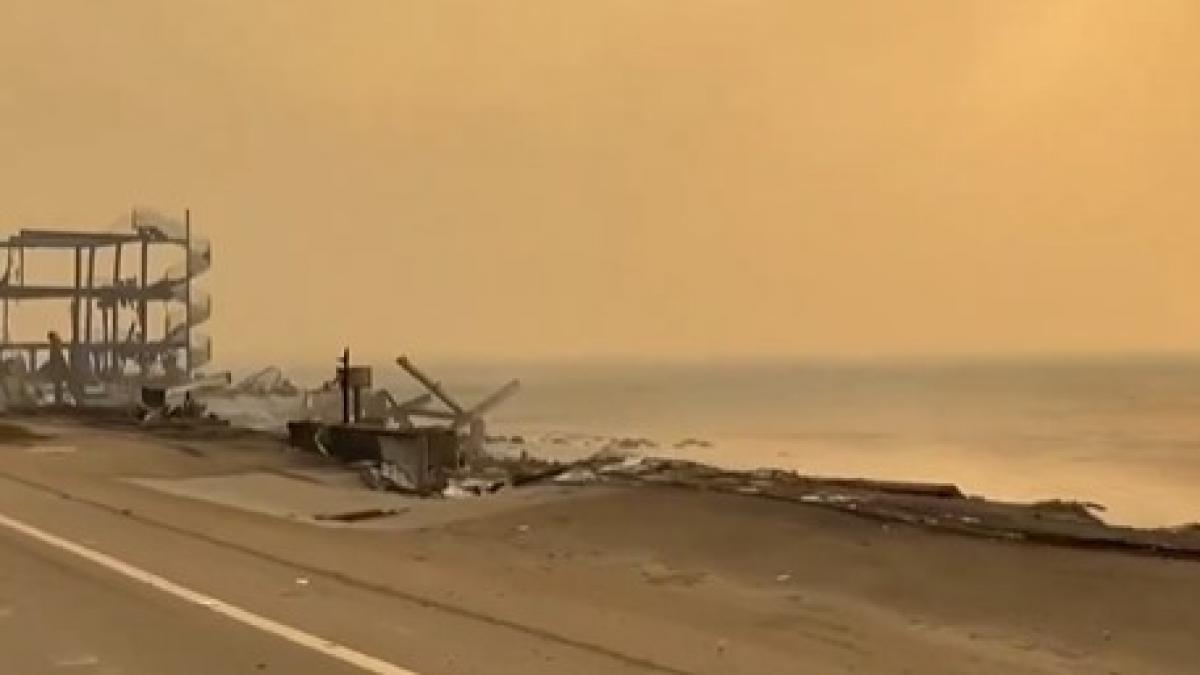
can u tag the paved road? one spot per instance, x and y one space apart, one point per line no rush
62 614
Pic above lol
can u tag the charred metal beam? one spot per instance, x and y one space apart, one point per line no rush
433 387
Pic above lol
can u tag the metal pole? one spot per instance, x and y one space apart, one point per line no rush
429 384
344 376
87 325
102 352
143 305
115 335
11 280
76 298
187 311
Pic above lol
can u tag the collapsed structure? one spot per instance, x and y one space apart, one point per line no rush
110 342
114 354
408 446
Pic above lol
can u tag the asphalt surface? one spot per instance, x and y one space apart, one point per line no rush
62 614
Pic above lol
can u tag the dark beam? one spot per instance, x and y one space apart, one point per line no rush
116 305
66 239
187 300
153 346
155 292
143 307
91 285
75 305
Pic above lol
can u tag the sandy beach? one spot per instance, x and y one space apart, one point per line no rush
553 579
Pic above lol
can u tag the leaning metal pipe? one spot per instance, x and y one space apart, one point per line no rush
429 384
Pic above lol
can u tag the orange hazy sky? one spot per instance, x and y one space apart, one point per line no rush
690 178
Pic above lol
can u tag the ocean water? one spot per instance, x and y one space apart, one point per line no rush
1121 432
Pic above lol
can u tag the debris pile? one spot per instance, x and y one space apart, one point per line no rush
414 461
155 409
402 446
269 381
15 385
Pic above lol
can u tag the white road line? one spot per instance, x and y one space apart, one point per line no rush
295 635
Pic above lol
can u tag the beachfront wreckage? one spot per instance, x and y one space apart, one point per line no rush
131 348
408 446
128 324
110 363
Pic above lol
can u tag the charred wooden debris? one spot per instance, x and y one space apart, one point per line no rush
424 445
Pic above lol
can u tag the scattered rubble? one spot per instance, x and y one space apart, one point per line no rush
473 487
381 475
1058 508
629 464
579 475
266 382
630 444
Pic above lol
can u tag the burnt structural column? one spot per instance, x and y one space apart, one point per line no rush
143 307
76 297
115 334
92 354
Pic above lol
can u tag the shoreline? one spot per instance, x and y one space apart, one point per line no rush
936 506
1148 488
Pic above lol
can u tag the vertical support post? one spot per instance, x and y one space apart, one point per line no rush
87 325
187 311
143 306
344 379
115 334
102 351
75 304
11 280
